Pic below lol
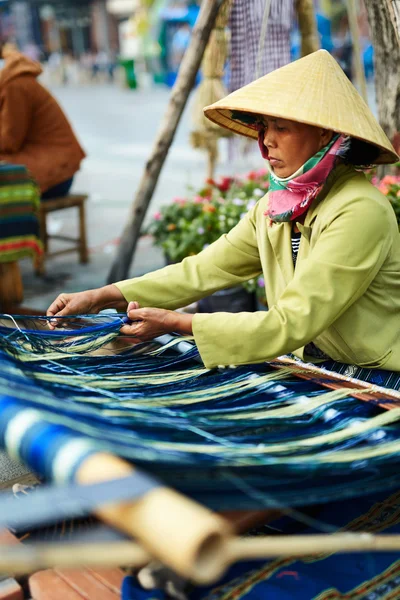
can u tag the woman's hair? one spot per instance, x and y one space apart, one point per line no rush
359 153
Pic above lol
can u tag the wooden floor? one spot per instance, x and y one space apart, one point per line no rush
62 584
91 584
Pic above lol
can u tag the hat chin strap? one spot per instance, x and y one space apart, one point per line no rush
264 154
283 179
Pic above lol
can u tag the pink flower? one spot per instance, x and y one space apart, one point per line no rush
157 216
375 180
198 200
180 201
390 179
383 188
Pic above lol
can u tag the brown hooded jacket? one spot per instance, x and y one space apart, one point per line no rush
33 128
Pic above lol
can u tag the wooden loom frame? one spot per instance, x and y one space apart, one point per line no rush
205 544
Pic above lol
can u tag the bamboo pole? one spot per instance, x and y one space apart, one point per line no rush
25 559
394 11
359 67
179 95
306 545
307 26
20 559
182 534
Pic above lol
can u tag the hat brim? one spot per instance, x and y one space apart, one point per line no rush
313 90
222 116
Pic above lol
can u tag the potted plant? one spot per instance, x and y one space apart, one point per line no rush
390 186
188 225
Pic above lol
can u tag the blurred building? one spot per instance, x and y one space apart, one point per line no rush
68 26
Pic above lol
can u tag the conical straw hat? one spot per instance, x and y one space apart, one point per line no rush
312 90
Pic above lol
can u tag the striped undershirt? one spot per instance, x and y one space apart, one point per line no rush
296 236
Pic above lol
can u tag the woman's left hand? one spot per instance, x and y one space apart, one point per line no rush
148 323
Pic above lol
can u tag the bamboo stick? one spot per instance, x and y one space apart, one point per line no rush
359 67
24 559
179 95
300 545
307 26
394 11
20 559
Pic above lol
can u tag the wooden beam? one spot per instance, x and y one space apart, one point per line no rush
357 59
394 11
179 95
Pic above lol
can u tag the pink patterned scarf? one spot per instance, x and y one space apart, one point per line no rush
289 198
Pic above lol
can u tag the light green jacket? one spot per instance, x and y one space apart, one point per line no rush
344 294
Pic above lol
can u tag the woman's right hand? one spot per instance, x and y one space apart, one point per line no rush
84 303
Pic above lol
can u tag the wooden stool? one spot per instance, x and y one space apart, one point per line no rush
11 289
79 243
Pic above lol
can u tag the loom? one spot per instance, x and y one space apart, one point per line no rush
159 442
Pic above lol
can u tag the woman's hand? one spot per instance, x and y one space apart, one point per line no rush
148 323
88 302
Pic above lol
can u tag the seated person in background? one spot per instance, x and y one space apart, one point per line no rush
34 131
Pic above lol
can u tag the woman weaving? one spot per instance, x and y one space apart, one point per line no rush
339 295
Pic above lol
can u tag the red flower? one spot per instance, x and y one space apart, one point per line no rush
225 184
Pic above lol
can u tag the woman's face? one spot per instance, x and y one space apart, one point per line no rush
291 144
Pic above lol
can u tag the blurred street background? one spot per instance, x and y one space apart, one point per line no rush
111 65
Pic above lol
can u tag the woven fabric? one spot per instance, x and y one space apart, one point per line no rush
388 379
19 204
252 57
246 43
371 576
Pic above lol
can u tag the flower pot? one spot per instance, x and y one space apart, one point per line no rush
233 300
261 304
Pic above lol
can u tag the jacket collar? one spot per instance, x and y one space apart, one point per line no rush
280 233
339 175
280 237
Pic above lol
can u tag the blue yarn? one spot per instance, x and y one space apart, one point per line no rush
160 425
114 324
131 590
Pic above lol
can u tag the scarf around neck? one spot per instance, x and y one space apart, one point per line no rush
290 197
